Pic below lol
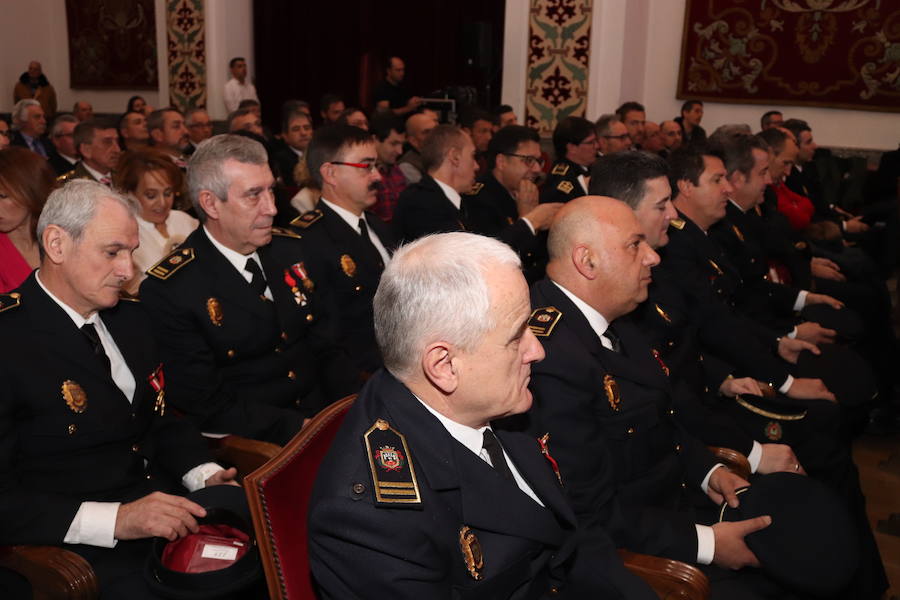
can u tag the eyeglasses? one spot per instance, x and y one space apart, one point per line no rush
621 138
199 125
6 133
591 141
370 167
529 160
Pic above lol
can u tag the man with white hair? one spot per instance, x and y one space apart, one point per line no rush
91 458
417 486
30 124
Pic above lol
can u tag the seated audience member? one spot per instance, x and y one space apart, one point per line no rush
139 105
296 133
418 126
83 111
199 126
689 121
480 126
612 135
98 145
389 139
575 144
390 95
99 469
252 104
347 246
168 134
633 116
355 117
33 84
504 115
245 119
25 183
62 135
330 108
133 131
5 133
449 507
152 180
30 124
771 120
242 323
671 135
653 142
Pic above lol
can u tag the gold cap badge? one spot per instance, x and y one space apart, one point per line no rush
74 396
214 309
471 550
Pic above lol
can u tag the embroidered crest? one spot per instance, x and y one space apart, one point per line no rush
74 396
171 263
677 224
471 551
612 392
8 301
348 266
158 382
543 320
544 442
307 218
391 467
565 186
662 313
282 232
560 169
659 359
737 232
476 187
773 431
214 310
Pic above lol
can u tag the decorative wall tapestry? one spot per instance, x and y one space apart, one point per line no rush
559 40
186 53
112 44
836 53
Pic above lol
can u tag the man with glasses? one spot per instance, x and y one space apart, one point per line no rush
62 135
612 135
348 246
199 127
575 143
504 201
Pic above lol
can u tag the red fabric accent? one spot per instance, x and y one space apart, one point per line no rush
13 268
186 554
798 209
392 184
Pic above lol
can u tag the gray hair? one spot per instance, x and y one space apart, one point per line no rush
731 130
189 115
21 109
605 122
434 289
72 206
58 121
205 167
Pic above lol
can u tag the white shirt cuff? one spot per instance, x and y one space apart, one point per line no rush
755 456
800 302
94 525
793 334
786 386
530 226
706 544
195 479
704 485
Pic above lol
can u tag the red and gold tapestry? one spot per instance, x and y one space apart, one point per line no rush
835 53
186 53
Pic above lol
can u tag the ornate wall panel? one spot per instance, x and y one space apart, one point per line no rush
836 53
186 53
559 40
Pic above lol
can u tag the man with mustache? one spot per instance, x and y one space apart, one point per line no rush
238 315
348 246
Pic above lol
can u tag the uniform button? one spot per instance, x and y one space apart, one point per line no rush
357 288
677 447
72 429
135 448
671 343
554 591
230 354
700 357
683 485
283 335
278 349
705 389
309 317
292 375
149 476
297 402
630 430
358 488
671 411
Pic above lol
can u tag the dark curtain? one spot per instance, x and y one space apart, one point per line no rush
308 48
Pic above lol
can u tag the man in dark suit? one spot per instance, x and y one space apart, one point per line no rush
438 505
348 246
575 143
97 142
296 132
92 460
30 124
64 156
240 319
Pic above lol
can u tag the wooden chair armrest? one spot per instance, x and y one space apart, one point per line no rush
245 454
670 579
54 573
732 459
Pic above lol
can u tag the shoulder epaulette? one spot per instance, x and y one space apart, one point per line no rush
393 474
677 224
560 169
10 301
174 261
565 186
282 232
126 297
65 176
307 218
543 320
476 187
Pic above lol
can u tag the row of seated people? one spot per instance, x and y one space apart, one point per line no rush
258 328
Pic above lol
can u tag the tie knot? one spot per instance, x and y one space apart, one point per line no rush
494 450
258 281
363 229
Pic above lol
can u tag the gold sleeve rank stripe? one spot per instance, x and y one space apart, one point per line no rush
543 320
391 465
172 263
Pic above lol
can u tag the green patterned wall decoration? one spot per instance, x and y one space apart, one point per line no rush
186 53
559 41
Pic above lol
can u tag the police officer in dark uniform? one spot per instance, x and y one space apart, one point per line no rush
348 246
97 142
575 145
240 318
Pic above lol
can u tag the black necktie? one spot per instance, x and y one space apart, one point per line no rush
495 452
258 282
367 242
91 334
610 334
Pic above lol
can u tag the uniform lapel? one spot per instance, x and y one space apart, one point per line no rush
132 350
227 282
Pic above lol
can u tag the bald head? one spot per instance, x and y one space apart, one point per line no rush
418 127
578 222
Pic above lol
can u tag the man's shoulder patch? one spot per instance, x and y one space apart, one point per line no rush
560 169
177 259
543 320
565 186
307 218
677 224
10 301
393 474
476 188
282 232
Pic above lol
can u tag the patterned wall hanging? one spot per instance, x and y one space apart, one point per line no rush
835 53
186 52
559 41
112 45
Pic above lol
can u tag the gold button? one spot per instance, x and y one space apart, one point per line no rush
671 411
72 429
292 375
554 591
358 488
278 349
135 448
683 485
630 430
309 317
149 476
705 389
357 288
677 447
283 335
700 357
671 343
297 402
230 353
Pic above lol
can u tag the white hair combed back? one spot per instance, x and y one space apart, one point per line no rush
73 206
434 290
21 109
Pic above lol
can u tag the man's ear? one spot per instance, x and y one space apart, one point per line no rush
685 187
737 180
207 201
453 155
439 368
157 135
55 241
585 261
326 172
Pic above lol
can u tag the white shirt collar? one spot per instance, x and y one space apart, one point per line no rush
297 152
737 205
238 260
597 321
351 219
95 174
451 194
471 438
73 314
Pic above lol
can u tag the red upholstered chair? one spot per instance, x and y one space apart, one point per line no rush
278 493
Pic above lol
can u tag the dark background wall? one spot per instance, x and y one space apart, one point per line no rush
307 48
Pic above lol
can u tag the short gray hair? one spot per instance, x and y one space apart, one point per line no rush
21 108
72 206
189 115
434 289
58 121
206 165
605 122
